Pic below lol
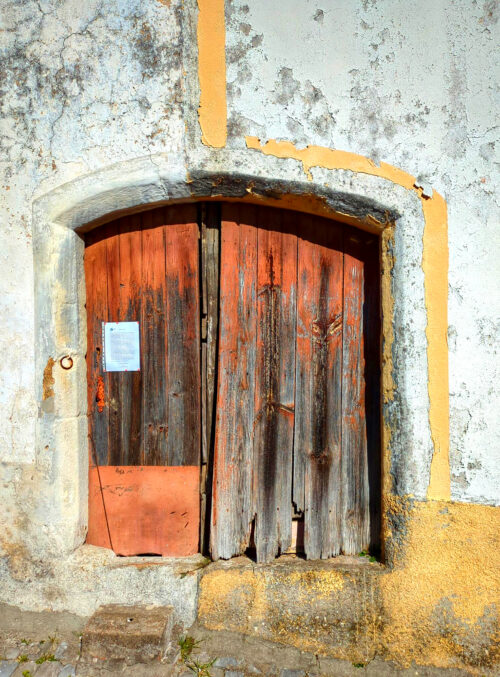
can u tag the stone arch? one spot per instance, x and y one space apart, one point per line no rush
64 214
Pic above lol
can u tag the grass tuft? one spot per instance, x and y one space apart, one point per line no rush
46 657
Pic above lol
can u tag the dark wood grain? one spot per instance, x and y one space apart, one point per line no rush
318 385
210 234
274 383
232 484
355 490
115 407
153 335
183 335
130 388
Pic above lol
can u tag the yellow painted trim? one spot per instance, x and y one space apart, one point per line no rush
212 111
435 268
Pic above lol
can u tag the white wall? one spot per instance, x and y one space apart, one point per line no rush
413 84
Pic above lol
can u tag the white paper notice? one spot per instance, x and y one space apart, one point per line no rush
121 346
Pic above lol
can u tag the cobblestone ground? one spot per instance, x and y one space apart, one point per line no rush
49 648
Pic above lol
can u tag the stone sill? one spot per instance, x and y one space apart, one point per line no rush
333 607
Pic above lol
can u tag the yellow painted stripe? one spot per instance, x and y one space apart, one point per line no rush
435 267
212 111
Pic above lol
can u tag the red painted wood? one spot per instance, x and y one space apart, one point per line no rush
274 381
232 505
148 509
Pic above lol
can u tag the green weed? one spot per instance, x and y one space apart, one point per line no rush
23 658
46 657
200 669
364 553
187 644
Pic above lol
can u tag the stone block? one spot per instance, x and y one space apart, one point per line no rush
67 671
12 653
227 662
127 634
7 668
49 669
61 650
330 607
28 666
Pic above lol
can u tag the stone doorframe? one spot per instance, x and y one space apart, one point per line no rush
63 215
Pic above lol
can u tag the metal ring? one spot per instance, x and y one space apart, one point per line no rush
66 362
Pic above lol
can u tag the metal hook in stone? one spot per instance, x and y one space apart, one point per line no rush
66 362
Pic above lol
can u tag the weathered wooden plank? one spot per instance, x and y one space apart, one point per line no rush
355 490
231 498
97 313
130 388
113 378
318 385
183 335
210 230
153 337
274 382
212 287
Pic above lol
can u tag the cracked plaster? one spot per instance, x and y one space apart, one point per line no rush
412 84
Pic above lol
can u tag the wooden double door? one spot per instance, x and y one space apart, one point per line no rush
257 401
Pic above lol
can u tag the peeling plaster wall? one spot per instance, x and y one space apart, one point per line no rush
413 84
106 94
83 84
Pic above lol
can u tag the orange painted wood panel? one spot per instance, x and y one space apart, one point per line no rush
148 509
144 268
